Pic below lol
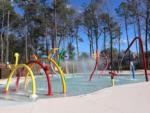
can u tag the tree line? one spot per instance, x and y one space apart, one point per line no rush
42 25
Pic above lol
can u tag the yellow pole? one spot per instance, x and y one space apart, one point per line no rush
61 75
17 58
27 75
52 52
113 82
60 72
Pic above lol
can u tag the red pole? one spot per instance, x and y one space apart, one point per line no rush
48 80
17 81
19 73
144 59
96 64
143 54
46 70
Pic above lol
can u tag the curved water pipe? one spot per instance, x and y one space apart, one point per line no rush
60 56
106 63
61 73
52 53
53 69
35 57
96 64
143 55
14 69
46 71
132 69
52 66
19 73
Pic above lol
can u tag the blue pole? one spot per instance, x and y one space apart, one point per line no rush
132 69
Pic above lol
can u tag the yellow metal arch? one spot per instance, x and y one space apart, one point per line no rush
17 66
35 57
26 76
60 72
32 77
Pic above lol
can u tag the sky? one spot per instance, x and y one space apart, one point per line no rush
110 5
110 8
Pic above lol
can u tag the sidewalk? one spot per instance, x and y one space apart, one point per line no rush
133 98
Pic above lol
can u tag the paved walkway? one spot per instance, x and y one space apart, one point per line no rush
133 98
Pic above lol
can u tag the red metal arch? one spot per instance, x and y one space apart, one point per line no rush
143 55
106 63
96 64
46 70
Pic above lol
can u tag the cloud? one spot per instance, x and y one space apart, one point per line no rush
68 6
123 41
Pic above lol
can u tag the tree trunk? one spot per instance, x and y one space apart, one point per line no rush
46 41
61 41
146 33
91 35
126 29
111 45
77 44
90 43
119 47
2 45
90 49
97 37
7 40
139 32
2 49
135 35
139 26
111 49
26 42
54 39
104 39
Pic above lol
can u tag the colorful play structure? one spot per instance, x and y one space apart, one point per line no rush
143 55
96 64
15 68
132 66
61 56
106 64
53 65
97 61
26 69
112 73
46 70
31 64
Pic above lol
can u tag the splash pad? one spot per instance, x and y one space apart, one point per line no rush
77 80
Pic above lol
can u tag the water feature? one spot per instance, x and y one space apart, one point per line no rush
79 84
